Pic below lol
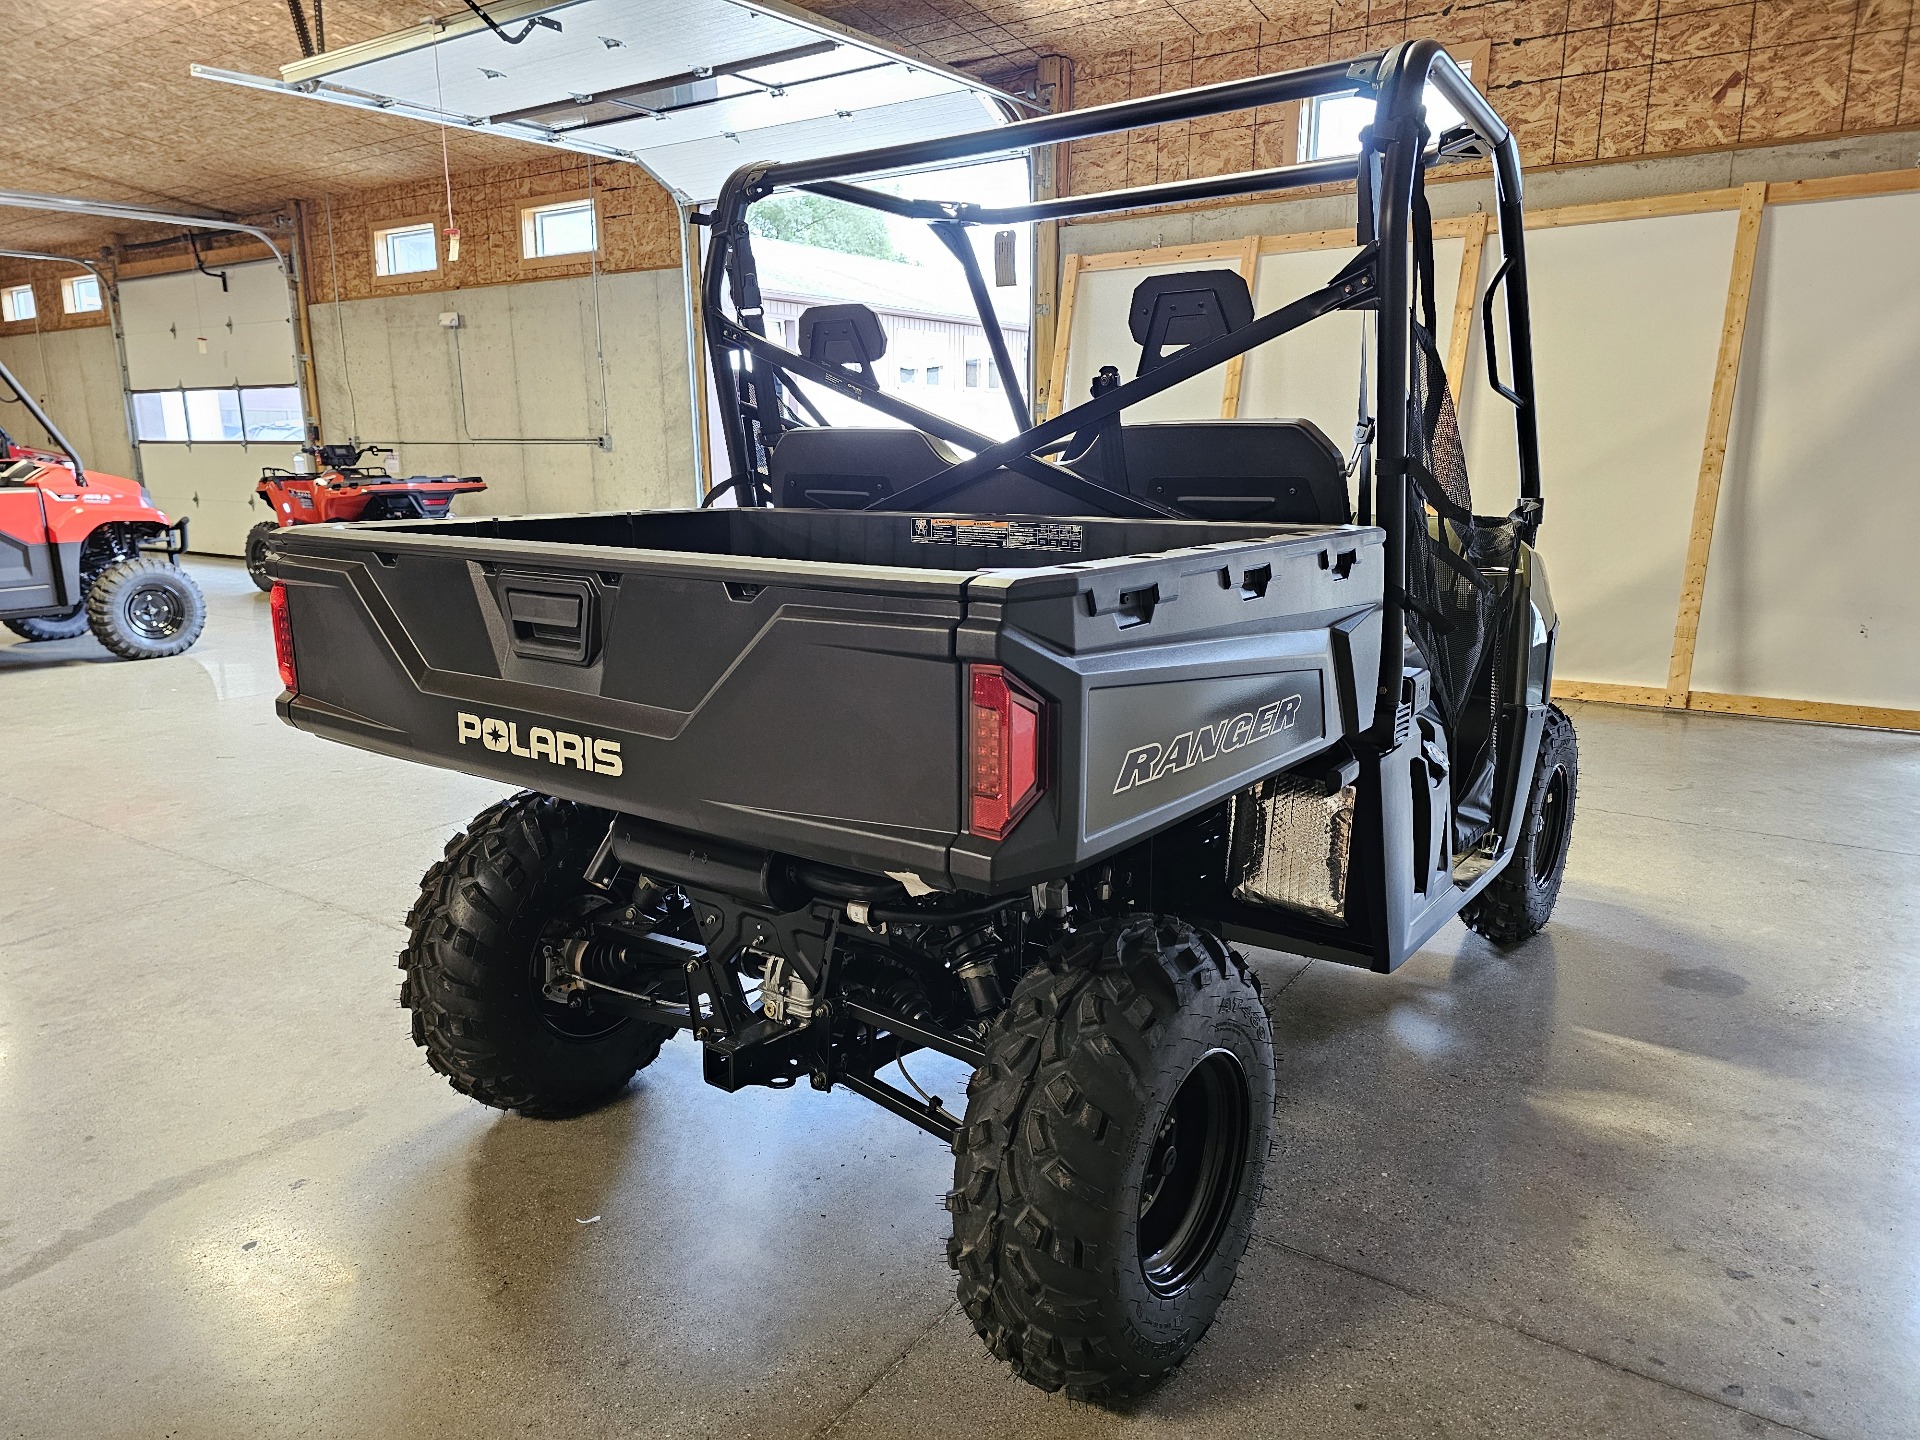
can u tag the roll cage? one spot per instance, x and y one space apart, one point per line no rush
1393 232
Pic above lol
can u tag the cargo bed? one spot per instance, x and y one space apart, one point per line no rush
795 680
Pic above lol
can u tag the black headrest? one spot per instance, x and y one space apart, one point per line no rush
841 335
1189 308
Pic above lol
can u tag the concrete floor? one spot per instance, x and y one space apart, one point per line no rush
1651 1174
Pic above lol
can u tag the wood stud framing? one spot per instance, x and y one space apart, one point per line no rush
1063 334
1751 201
1230 392
1713 455
1458 338
1054 85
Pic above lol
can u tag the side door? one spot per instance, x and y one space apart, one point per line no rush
26 559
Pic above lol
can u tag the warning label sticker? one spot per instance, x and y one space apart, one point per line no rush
1060 536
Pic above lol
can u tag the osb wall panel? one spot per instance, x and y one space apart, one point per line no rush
49 313
1579 80
639 227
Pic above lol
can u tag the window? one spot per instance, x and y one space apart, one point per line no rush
214 417
406 250
973 374
16 303
80 294
271 412
160 415
563 228
993 375
933 374
907 374
1330 125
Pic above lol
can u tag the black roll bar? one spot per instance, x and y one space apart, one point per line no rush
1072 207
1392 157
953 235
1398 137
1200 101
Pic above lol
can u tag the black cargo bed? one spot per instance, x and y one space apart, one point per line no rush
793 679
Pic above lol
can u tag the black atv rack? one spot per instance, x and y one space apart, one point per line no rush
1394 231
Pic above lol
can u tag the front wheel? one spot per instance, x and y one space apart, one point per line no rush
257 553
144 608
1520 899
1112 1156
51 627
511 886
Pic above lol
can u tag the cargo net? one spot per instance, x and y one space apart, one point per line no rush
1451 605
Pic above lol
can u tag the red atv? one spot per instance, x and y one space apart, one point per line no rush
341 488
81 550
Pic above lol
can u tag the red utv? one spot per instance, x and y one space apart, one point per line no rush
81 550
339 487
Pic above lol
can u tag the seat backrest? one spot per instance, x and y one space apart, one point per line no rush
846 467
1188 308
1258 470
847 337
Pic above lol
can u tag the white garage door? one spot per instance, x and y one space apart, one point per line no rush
214 386
688 89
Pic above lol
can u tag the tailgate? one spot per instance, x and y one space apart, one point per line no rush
807 708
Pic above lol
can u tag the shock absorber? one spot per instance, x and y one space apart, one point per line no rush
598 957
972 957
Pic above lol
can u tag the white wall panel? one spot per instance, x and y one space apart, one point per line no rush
525 359
76 378
1812 591
1626 328
1099 336
1314 373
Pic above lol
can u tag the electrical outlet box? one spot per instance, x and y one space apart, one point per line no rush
450 319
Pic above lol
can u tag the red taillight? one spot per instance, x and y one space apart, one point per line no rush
1004 771
283 636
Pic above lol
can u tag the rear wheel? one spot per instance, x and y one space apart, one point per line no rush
257 554
1113 1153
509 887
145 608
1521 898
51 627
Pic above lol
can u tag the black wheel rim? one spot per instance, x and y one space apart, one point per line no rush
1193 1174
155 613
1550 838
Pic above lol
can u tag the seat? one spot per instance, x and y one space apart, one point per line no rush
848 467
845 467
1169 313
1258 470
846 337
1284 471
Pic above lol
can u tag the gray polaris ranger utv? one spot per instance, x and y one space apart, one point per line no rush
994 749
